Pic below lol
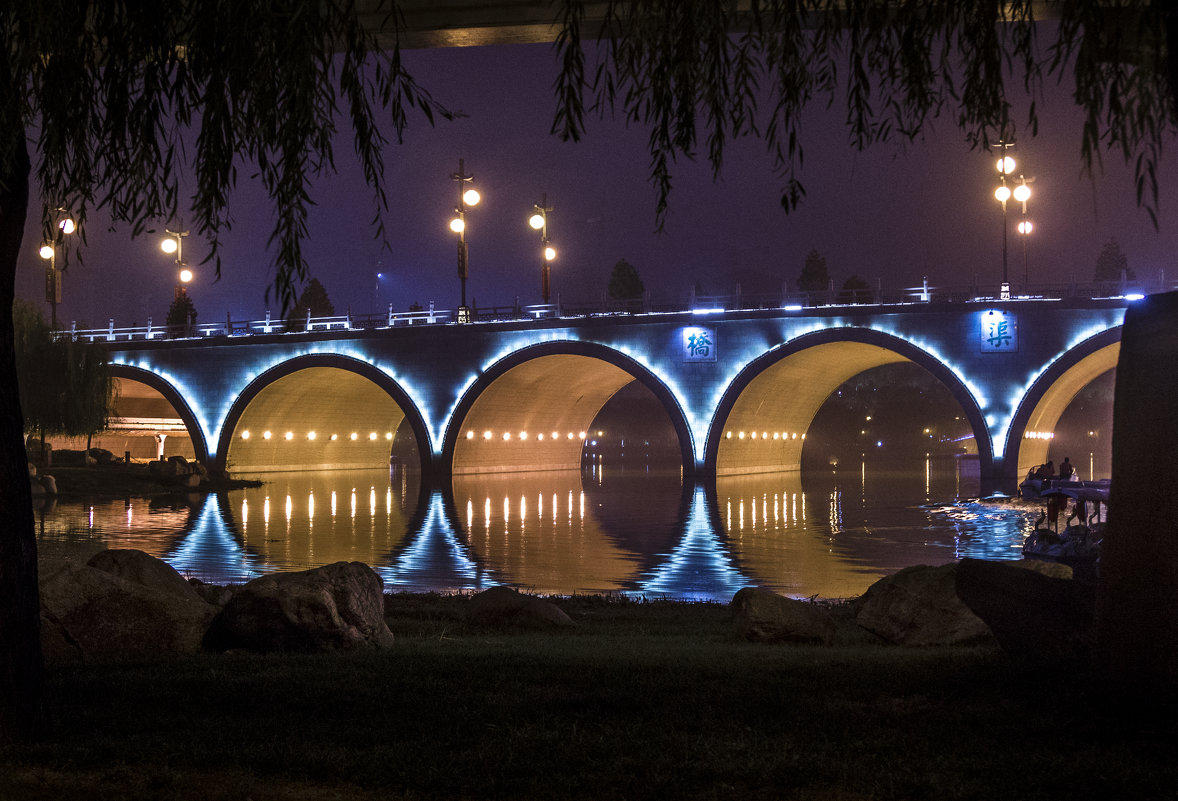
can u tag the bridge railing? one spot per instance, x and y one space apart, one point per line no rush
737 301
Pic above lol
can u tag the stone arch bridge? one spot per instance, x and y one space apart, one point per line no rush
739 388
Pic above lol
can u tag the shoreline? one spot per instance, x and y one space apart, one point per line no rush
134 480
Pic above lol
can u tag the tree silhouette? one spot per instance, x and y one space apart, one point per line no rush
855 290
1112 264
314 300
181 314
624 283
814 277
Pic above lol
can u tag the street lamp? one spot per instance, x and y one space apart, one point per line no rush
539 222
48 251
466 197
1022 193
1005 166
175 244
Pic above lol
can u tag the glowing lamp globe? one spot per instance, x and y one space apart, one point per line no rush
1006 165
67 226
536 221
1025 227
46 252
1022 192
185 276
549 254
1002 193
457 225
168 246
471 197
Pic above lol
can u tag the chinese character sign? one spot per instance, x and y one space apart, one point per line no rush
699 344
999 332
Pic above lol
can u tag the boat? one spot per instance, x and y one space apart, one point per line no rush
1034 488
1079 542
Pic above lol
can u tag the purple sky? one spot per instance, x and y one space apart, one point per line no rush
889 214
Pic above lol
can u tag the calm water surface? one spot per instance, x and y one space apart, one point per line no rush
638 533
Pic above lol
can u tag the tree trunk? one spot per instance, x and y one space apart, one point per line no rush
1137 608
21 667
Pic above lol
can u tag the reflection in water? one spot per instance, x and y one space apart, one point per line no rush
634 532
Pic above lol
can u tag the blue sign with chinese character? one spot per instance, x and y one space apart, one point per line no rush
999 332
699 344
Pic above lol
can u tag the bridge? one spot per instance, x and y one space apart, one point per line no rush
739 388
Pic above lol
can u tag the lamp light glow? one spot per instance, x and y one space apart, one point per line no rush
471 197
536 221
457 225
46 252
168 245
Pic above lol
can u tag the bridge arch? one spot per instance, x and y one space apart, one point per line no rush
761 422
160 387
322 411
507 419
1052 391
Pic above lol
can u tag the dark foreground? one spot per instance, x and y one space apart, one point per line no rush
654 700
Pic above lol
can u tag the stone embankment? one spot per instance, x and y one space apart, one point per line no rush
124 605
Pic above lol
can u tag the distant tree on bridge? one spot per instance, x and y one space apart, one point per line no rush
814 276
1112 264
624 283
314 300
855 290
181 314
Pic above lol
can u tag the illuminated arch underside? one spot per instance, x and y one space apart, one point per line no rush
323 400
1055 400
784 399
141 412
561 393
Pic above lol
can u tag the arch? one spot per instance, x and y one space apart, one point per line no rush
553 387
313 397
1053 390
779 393
169 394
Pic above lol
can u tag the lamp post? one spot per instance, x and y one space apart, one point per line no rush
175 244
1006 166
65 225
466 197
539 222
1022 193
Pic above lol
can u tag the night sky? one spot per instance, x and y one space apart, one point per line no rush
891 214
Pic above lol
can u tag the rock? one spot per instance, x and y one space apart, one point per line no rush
1052 569
101 455
32 470
145 570
213 594
503 606
919 606
49 484
91 615
331 608
768 617
1034 617
191 481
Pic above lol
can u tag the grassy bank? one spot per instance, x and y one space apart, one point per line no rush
652 700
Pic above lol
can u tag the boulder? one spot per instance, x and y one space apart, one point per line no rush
504 606
91 615
48 484
1034 617
765 616
919 606
145 570
214 594
331 608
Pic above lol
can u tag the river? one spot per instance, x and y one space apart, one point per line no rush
638 533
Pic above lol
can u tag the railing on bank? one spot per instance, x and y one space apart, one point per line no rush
738 301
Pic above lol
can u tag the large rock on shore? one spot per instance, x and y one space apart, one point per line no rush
504 606
144 569
764 616
1033 615
332 608
919 606
91 614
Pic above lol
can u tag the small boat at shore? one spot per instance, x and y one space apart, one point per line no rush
1079 542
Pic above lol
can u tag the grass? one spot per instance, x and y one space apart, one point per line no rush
640 700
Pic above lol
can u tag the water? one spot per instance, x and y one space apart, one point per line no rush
601 531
